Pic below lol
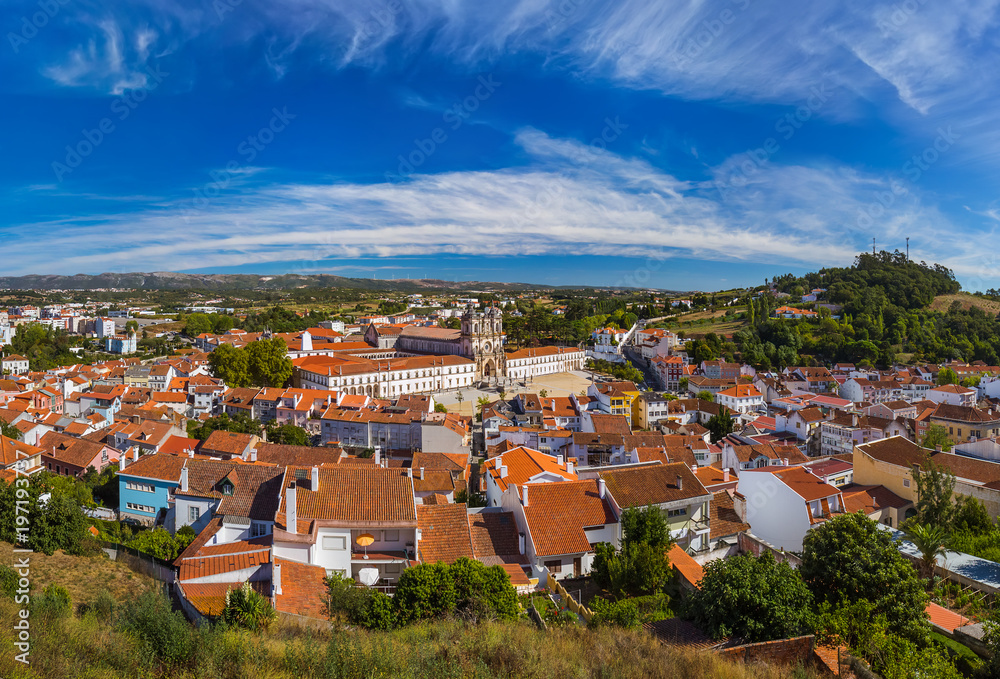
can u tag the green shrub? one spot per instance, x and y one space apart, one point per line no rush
8 581
248 609
103 606
164 633
53 602
623 613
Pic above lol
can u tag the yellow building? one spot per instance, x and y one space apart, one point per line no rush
890 462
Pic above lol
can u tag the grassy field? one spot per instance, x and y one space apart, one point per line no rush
84 578
93 645
942 302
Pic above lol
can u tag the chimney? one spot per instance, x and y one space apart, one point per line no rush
191 453
601 488
307 342
503 471
937 448
694 469
569 466
291 509
422 473
520 542
135 454
276 578
378 456
725 475
184 479
785 461
315 479
409 472
524 495
680 482
559 460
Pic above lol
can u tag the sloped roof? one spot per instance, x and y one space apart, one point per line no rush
353 494
444 533
558 513
652 485
723 520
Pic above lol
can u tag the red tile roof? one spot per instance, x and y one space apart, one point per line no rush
558 513
444 533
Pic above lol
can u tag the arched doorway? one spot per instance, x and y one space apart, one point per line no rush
489 370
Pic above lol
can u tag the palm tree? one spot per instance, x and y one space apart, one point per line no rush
930 542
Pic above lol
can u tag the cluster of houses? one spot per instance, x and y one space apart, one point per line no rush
71 318
390 482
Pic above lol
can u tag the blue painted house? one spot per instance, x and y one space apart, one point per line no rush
146 487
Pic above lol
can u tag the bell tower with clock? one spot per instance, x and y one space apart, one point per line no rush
482 340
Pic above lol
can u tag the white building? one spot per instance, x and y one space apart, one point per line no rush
741 399
528 363
953 394
388 378
781 505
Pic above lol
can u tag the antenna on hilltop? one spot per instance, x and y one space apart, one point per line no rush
907 248
873 245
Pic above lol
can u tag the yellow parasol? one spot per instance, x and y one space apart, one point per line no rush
364 540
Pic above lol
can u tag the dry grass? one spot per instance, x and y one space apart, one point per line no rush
83 577
172 326
75 647
90 646
942 302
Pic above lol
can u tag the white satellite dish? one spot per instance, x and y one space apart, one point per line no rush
368 576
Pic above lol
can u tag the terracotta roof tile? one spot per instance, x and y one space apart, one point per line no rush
558 513
444 533
652 485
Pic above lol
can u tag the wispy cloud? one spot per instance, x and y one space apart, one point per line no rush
570 200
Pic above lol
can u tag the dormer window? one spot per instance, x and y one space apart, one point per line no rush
227 488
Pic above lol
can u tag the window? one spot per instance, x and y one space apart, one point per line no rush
392 568
554 566
673 513
257 529
194 513
140 508
335 542
906 483
144 487
391 536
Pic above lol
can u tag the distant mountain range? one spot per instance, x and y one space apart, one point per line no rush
166 280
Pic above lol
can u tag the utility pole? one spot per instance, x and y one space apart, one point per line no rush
907 249
873 246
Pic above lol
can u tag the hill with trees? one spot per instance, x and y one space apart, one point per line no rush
883 308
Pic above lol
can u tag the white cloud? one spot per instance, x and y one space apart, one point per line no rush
571 200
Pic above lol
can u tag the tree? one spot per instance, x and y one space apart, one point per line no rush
935 487
721 424
682 384
440 408
288 434
131 327
947 376
459 397
706 395
971 516
645 525
231 365
10 431
641 566
239 424
848 559
936 436
753 599
263 363
930 542
268 363
543 393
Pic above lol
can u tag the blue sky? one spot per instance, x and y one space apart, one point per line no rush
669 144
